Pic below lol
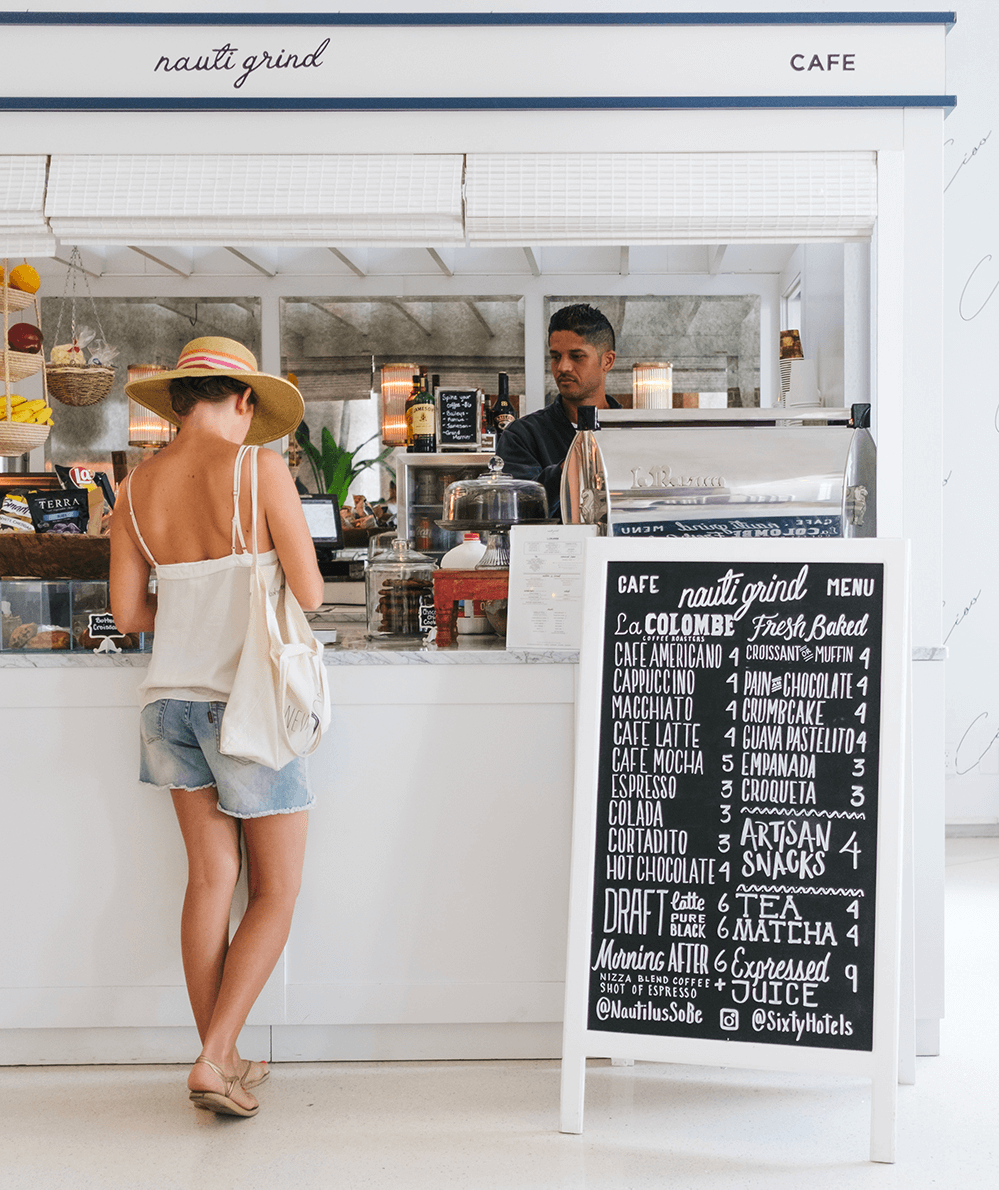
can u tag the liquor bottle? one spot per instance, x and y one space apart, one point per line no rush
504 413
424 420
487 438
414 393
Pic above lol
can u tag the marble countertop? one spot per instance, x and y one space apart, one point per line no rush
352 647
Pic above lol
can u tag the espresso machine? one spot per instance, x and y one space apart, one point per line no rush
726 473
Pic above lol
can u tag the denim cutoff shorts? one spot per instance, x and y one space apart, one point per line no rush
179 748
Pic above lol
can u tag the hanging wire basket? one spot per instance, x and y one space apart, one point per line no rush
17 437
78 384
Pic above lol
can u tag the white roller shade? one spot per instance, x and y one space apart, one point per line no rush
299 198
663 198
23 230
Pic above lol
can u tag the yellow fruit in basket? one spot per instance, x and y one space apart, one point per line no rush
25 278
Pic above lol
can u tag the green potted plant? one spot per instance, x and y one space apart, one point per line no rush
334 468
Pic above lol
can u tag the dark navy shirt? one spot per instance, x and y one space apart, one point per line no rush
533 447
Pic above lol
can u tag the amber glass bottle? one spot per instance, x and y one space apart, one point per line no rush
424 420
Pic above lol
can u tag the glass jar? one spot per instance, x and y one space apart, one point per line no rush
399 590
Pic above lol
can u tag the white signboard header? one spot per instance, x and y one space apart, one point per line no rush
531 61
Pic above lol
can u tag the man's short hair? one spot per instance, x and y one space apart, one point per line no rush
586 321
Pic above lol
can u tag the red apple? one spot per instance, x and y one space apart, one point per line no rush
24 337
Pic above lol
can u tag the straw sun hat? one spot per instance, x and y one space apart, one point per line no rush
279 406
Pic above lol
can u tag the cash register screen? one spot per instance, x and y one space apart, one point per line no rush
322 515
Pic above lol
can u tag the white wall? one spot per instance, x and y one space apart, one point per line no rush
824 312
822 317
971 418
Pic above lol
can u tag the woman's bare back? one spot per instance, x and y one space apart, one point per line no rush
183 500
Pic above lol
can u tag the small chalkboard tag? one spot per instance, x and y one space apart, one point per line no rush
739 770
428 614
101 624
458 418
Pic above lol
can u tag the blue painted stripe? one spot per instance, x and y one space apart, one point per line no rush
490 103
465 20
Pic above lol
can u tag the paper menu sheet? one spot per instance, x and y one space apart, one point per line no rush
546 586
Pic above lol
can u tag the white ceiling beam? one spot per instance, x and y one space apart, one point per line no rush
479 315
533 260
160 260
343 258
412 318
254 264
438 260
716 255
624 268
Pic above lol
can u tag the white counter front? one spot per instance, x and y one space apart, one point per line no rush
431 922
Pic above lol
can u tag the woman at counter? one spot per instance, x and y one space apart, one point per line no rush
186 514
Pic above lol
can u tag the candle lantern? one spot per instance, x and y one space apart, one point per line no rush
397 381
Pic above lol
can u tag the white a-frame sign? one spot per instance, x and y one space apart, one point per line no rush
736 852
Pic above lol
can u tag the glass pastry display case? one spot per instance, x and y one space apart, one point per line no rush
47 615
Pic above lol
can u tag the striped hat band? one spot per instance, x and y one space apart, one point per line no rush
217 360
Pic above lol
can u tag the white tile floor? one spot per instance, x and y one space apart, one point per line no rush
485 1125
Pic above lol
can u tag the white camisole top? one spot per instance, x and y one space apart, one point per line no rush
202 612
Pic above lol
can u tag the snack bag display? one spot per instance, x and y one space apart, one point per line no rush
99 491
15 516
59 512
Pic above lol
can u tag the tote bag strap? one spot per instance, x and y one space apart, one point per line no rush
252 452
237 480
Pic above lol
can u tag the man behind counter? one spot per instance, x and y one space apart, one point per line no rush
581 347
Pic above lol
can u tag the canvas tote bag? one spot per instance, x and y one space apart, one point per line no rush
280 702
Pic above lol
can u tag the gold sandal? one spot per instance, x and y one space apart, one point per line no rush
223 1104
250 1083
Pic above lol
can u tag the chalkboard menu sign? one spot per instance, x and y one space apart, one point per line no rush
734 883
732 853
458 418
